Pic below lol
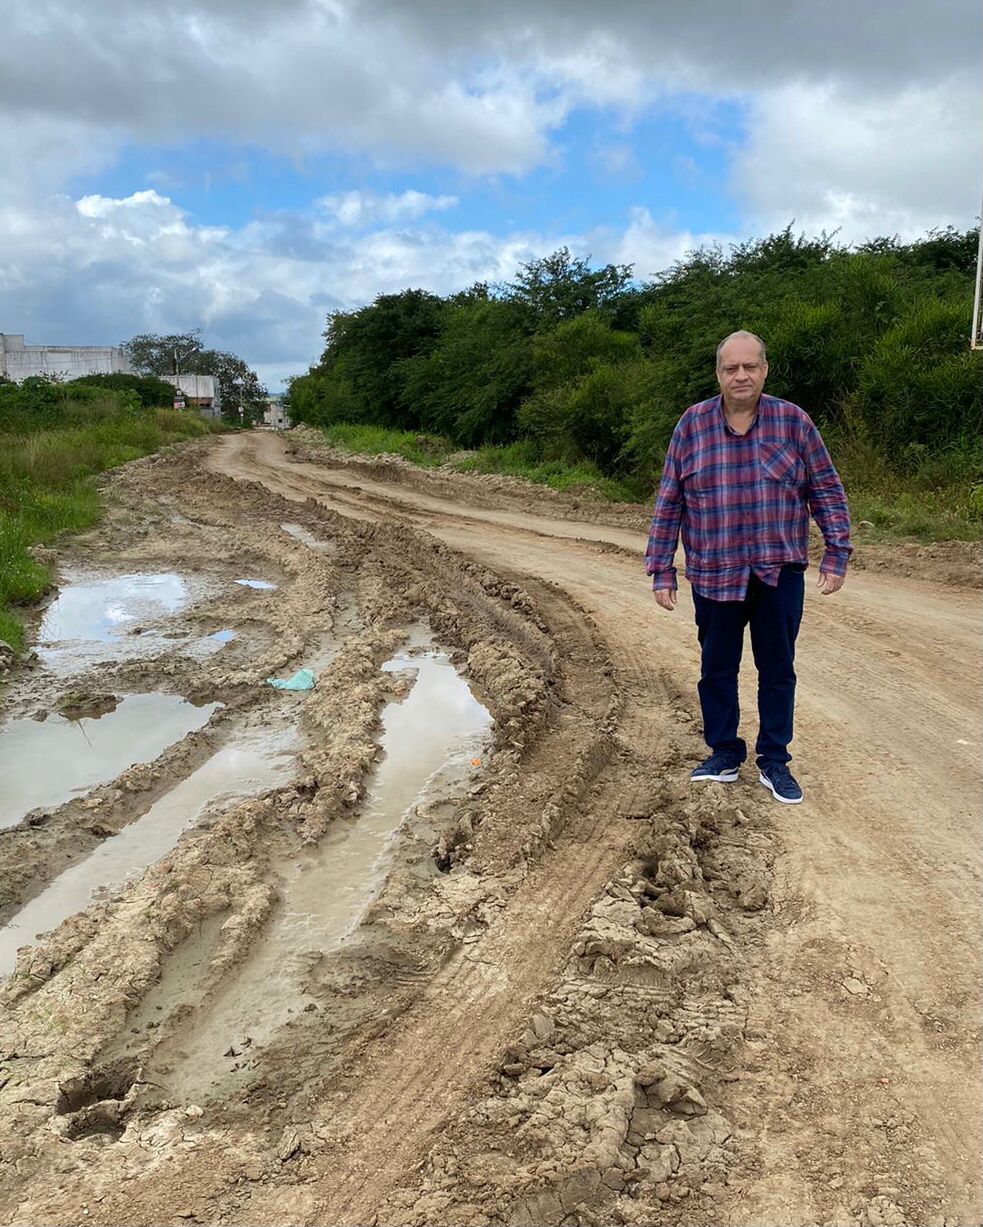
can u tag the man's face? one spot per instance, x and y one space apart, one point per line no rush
741 372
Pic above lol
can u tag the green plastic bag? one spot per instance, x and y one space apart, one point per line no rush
303 679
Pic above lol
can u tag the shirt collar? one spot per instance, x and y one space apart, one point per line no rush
718 408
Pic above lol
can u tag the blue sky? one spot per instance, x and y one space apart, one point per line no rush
245 168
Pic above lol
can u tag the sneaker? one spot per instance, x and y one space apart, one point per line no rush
780 780
719 767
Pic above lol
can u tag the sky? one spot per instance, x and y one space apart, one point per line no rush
249 167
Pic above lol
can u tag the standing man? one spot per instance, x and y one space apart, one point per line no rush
742 473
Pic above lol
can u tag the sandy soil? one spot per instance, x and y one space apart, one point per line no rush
587 993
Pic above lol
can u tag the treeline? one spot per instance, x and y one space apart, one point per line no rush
586 364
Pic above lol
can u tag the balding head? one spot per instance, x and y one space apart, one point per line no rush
741 371
741 335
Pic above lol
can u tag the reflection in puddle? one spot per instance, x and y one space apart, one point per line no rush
437 728
46 764
96 620
253 763
222 636
102 608
300 533
255 583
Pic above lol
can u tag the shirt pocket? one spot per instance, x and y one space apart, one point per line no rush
781 463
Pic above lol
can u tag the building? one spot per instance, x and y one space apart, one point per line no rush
275 415
202 391
64 362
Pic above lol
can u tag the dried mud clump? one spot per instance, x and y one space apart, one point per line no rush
611 1105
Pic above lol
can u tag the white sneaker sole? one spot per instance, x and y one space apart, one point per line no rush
714 779
762 779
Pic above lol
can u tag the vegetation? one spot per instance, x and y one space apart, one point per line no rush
243 396
576 376
150 391
53 439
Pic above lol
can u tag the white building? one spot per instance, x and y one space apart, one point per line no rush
275 415
202 391
19 361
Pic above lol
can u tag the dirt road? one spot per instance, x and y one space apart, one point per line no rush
620 1001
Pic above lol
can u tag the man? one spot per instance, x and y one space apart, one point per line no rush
741 475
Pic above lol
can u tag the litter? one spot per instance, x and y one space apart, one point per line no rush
303 679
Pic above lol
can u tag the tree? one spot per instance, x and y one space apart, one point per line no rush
561 286
243 396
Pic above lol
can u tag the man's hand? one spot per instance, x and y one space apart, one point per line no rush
665 598
828 584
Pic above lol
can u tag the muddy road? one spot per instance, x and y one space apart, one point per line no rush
448 938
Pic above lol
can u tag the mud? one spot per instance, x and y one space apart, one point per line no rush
540 982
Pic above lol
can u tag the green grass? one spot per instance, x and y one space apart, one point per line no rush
425 450
521 459
46 486
920 495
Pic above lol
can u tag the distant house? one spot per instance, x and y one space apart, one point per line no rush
19 361
275 415
202 391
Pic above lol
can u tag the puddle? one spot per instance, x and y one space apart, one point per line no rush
96 620
436 729
222 636
46 764
300 533
254 762
256 583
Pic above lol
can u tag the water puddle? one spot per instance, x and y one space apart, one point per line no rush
300 533
46 764
263 584
254 762
225 636
97 620
438 729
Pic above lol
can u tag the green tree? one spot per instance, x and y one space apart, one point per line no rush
242 395
561 286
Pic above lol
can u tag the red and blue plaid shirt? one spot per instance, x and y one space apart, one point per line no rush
743 501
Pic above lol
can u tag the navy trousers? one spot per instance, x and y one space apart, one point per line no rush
773 614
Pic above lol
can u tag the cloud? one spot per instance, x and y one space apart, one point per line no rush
356 208
833 158
860 117
139 263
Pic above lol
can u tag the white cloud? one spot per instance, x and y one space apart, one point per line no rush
139 264
649 244
860 117
833 158
356 208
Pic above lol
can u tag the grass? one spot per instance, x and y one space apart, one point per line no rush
46 486
429 451
520 459
921 495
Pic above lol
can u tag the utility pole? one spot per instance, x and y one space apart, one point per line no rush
178 394
976 332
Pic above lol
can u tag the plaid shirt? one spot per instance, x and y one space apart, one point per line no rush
743 501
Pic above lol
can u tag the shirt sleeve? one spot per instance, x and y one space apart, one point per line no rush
827 502
664 533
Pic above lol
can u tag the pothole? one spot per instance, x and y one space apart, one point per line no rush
94 620
437 732
250 764
45 764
